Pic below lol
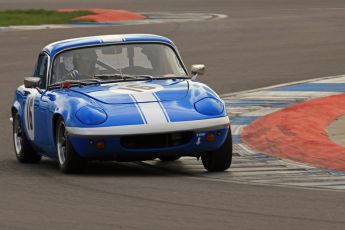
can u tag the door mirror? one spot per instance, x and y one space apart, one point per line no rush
198 69
31 82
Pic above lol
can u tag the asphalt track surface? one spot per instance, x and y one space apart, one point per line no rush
261 43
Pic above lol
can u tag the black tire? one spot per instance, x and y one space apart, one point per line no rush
169 158
68 160
24 151
220 159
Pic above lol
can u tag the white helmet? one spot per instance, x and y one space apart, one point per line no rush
68 62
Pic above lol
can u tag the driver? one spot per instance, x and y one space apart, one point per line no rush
70 72
80 64
85 61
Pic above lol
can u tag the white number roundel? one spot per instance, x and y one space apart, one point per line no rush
29 116
132 88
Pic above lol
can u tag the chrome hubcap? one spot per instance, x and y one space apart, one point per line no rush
18 136
61 144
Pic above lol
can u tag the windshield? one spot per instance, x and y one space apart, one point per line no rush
104 62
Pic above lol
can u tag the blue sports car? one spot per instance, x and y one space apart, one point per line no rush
118 98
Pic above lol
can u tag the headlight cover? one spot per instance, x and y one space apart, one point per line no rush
91 115
209 106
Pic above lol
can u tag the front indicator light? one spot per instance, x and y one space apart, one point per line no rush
210 137
100 145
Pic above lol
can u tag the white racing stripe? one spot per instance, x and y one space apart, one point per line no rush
151 110
153 113
162 107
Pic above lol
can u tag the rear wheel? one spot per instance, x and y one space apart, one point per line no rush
24 152
169 158
69 161
220 159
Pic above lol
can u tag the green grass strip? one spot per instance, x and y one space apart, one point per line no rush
38 17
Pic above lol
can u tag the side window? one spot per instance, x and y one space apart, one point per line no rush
41 69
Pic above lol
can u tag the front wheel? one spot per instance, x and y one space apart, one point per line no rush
220 159
69 161
24 151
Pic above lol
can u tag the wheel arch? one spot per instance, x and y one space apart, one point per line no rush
15 108
55 119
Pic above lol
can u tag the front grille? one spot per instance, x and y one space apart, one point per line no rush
156 140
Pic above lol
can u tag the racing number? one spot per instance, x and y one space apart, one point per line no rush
29 113
30 116
138 88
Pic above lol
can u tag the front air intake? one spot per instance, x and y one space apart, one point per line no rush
156 140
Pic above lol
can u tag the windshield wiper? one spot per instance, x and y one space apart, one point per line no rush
63 84
110 76
90 81
172 77
141 77
158 78
122 76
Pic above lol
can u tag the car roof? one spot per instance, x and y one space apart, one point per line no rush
58 46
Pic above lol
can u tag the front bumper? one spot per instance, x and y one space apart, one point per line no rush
196 125
85 146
